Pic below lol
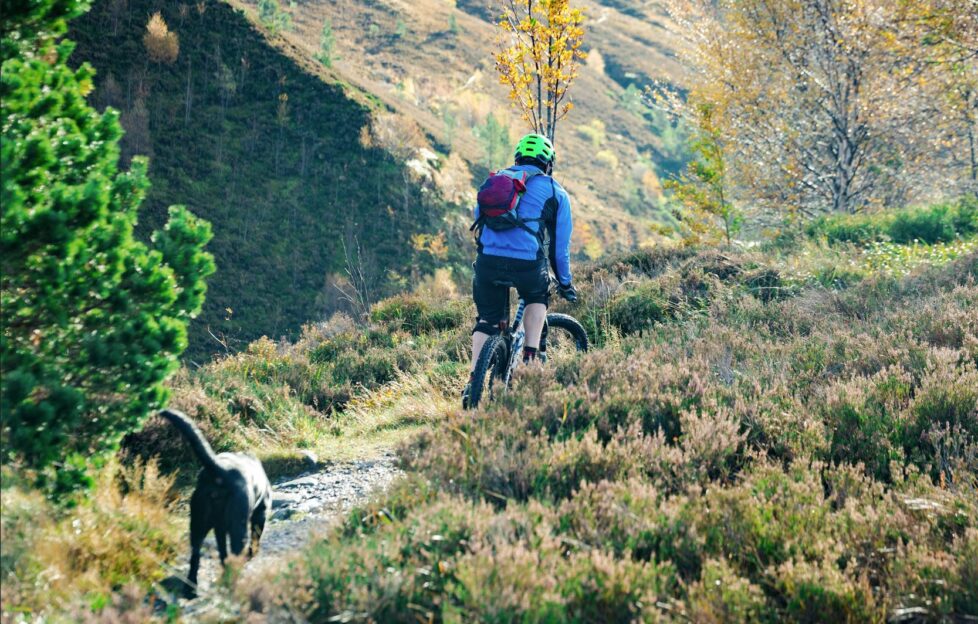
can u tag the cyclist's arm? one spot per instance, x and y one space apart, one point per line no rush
560 240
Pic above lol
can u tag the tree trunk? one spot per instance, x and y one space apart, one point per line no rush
189 96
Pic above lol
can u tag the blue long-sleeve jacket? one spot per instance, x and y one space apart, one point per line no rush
518 243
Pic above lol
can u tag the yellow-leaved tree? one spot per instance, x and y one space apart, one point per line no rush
836 105
540 54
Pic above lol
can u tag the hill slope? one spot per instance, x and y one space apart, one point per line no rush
268 152
431 61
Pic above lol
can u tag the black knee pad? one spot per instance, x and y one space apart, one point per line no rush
485 328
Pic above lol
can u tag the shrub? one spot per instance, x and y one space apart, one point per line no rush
756 461
859 229
412 314
927 224
640 308
864 417
721 595
93 319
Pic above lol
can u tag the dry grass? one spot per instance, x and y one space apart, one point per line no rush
60 561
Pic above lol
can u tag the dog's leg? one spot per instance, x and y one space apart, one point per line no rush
257 526
199 526
238 514
221 535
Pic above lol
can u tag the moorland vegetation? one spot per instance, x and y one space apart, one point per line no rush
782 427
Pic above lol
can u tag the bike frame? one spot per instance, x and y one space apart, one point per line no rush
515 338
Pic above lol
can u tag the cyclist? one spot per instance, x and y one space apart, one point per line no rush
519 255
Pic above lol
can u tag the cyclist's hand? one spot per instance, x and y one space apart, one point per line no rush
568 292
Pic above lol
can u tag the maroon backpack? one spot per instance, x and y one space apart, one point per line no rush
499 198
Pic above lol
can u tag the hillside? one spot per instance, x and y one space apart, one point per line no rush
297 164
271 154
431 61
775 418
786 436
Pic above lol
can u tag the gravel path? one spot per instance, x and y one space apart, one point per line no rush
302 507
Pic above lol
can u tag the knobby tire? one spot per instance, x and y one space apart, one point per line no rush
491 360
570 325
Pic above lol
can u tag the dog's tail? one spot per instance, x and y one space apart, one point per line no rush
203 450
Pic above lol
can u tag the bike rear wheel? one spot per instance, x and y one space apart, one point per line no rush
489 370
563 334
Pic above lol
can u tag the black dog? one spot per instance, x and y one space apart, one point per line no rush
232 492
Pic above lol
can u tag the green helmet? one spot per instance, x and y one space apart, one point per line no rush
536 146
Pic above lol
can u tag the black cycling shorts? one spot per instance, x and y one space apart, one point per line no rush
530 277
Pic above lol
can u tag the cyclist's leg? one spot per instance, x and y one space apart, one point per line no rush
491 304
533 318
534 288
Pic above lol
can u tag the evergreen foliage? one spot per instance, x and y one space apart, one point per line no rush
327 43
93 320
273 17
493 135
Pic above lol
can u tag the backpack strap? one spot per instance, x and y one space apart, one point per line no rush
547 220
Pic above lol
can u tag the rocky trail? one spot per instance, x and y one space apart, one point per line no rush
302 507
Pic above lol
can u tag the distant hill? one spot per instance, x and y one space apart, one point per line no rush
271 154
431 61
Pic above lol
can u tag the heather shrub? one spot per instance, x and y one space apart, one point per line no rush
794 458
640 308
455 560
864 417
416 315
947 397
820 592
721 595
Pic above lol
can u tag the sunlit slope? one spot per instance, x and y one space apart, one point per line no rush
432 62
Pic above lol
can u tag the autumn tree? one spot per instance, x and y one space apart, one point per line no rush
943 35
541 50
821 105
162 45
703 189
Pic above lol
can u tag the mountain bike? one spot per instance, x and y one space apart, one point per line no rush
503 352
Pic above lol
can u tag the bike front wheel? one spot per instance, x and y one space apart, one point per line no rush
562 335
489 371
